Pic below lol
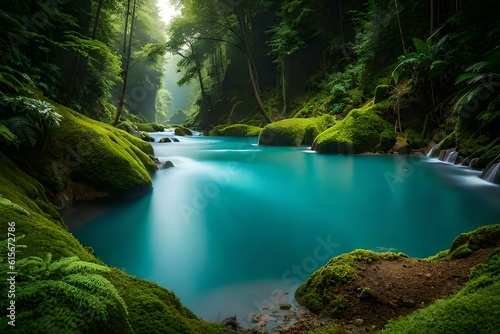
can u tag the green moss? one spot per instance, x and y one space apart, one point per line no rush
336 328
483 237
362 130
150 127
366 294
236 130
182 131
313 105
294 131
320 292
381 93
23 201
147 307
92 153
153 309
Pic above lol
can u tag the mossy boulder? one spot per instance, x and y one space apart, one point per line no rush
320 292
92 158
182 131
236 130
362 130
150 127
294 131
132 129
483 237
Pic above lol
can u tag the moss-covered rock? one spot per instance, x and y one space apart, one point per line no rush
86 154
150 127
236 130
294 131
320 292
182 131
362 130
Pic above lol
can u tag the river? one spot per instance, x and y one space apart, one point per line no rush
234 227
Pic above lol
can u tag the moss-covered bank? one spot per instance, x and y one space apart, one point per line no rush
472 310
320 292
61 286
87 159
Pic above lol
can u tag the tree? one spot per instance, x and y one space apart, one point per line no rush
126 65
285 41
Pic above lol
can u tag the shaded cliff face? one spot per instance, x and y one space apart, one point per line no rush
88 160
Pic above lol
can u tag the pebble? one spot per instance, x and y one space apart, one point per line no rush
358 322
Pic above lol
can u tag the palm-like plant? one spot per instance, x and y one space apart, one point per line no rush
482 82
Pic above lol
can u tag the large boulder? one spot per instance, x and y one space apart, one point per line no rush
236 130
294 131
361 131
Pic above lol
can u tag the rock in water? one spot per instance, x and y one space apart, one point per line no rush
232 324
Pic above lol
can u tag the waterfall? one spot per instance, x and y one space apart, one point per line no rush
431 152
492 174
471 162
452 157
448 156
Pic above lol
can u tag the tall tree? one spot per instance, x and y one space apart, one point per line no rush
126 66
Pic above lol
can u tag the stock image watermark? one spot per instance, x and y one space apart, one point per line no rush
11 272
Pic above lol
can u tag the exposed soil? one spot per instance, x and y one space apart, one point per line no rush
391 289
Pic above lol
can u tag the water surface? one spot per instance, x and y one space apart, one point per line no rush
234 226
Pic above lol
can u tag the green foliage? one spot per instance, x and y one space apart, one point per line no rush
313 105
320 292
424 61
63 295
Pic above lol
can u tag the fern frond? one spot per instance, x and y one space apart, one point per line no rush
24 130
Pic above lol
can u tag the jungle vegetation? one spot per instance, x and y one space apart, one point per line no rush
362 75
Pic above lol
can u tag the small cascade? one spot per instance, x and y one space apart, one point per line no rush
443 155
448 156
452 157
492 174
431 152
472 162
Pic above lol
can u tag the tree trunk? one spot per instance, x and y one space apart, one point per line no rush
96 20
126 68
257 95
432 18
252 68
284 82
126 27
400 29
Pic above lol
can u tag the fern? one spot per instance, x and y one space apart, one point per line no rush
23 129
63 296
